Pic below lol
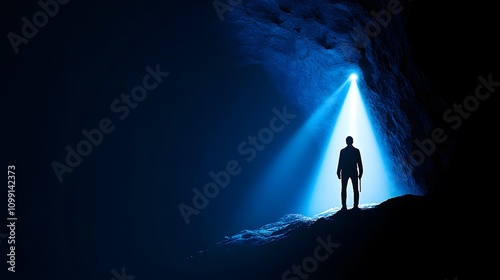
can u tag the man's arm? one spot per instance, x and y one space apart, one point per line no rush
360 165
338 165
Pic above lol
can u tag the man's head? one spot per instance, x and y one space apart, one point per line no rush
349 140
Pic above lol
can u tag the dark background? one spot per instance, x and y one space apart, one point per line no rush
118 208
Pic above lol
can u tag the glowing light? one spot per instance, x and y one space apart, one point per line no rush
302 176
353 120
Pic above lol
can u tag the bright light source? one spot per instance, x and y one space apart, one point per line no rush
353 77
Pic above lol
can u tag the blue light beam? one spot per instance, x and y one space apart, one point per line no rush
293 166
353 120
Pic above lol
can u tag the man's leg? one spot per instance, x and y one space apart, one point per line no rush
343 191
354 181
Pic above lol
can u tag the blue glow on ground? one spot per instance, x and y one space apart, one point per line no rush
352 120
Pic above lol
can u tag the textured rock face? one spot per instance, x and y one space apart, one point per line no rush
311 47
386 241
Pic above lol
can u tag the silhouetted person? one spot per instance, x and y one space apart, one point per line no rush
350 166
